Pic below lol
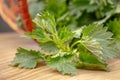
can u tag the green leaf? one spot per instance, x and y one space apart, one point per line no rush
84 5
59 8
48 35
40 35
93 46
49 47
46 21
78 7
86 57
114 27
106 8
65 34
98 41
116 45
63 63
27 59
97 32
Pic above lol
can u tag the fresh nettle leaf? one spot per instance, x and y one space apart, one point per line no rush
48 35
65 34
116 45
97 32
93 46
97 40
46 21
88 59
27 58
40 35
63 62
114 27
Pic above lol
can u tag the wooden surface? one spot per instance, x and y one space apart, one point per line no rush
8 45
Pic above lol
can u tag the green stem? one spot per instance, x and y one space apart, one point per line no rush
59 43
75 44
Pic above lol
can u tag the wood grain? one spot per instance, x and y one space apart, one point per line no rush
8 45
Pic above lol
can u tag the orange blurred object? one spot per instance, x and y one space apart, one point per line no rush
9 10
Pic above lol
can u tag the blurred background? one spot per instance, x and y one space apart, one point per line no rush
4 27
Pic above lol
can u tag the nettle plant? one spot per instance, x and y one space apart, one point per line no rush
66 49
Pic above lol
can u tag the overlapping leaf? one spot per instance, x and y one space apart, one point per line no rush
98 41
86 57
62 63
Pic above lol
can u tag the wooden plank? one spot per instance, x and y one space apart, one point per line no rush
8 45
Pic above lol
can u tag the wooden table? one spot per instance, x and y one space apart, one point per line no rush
9 42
